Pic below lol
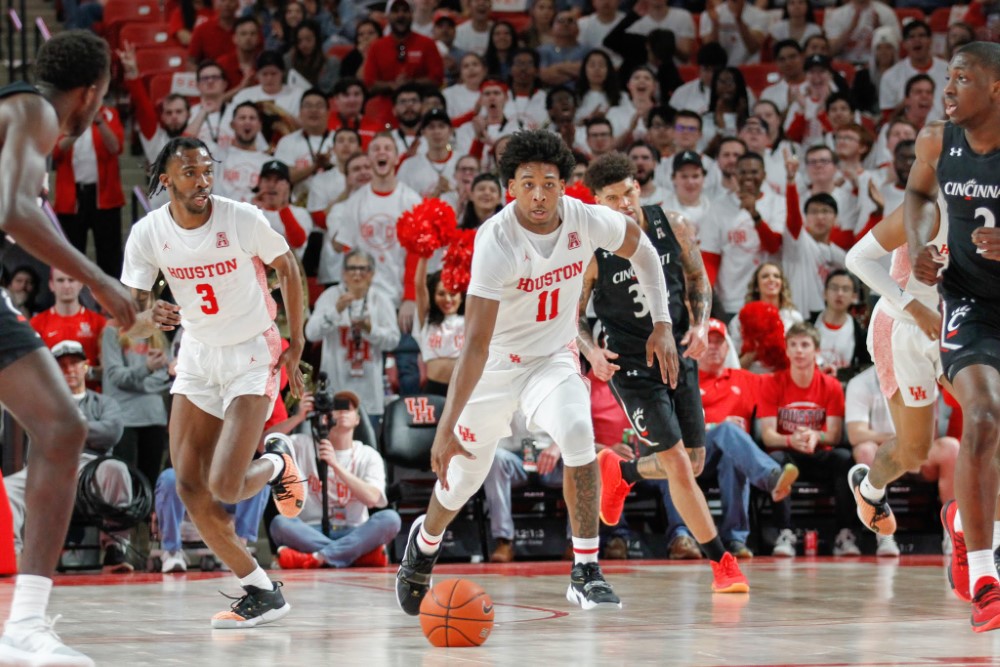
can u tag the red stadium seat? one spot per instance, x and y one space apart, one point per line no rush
155 61
818 16
759 76
688 72
162 84
520 20
340 51
147 35
846 69
119 12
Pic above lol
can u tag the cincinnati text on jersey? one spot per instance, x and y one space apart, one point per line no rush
628 274
550 278
971 189
206 271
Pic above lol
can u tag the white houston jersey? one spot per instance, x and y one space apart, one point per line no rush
216 272
538 279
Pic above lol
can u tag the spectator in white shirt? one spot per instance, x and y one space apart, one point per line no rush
738 26
600 136
325 187
687 196
276 99
473 35
728 106
696 94
790 62
240 168
597 88
628 118
919 60
660 133
431 173
843 349
645 158
807 255
850 27
464 95
797 23
273 198
308 151
596 26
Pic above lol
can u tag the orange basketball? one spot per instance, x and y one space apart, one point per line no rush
456 612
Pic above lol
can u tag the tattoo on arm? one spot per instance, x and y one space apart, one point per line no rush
698 289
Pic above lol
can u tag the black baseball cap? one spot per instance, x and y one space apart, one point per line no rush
435 115
276 167
818 60
687 157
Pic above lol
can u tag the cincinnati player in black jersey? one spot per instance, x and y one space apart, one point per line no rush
669 418
958 163
73 74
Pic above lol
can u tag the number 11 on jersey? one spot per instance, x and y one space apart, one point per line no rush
544 304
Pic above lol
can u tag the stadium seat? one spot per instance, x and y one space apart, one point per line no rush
846 69
145 35
340 51
759 76
162 84
119 12
520 20
688 72
152 61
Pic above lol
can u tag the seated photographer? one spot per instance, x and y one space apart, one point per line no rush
105 425
355 483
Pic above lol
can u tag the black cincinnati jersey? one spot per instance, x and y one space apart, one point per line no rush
970 188
619 301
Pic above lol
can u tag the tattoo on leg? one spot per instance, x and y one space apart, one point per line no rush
586 480
650 467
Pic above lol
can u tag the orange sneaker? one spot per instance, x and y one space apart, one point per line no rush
877 517
986 605
614 489
377 557
289 489
290 559
727 576
958 567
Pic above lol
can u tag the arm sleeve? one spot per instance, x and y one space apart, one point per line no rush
794 224
863 261
770 240
145 112
649 273
712 262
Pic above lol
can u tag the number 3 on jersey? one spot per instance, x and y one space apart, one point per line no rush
547 304
989 220
209 305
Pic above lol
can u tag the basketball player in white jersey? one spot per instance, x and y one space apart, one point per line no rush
519 353
213 253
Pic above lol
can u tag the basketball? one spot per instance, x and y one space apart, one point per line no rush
456 612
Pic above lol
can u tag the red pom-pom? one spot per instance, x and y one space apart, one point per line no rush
763 334
580 191
456 266
429 225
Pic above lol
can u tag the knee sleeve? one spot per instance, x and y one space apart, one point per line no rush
465 476
579 448
565 415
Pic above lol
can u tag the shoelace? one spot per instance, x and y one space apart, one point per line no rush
959 551
241 601
281 490
593 578
987 595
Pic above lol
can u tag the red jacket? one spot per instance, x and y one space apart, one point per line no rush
109 180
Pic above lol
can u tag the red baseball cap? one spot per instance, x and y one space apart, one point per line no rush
716 326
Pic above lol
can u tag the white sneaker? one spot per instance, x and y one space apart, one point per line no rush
174 561
34 643
887 546
846 544
785 544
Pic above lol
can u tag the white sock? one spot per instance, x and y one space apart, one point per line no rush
996 535
585 549
981 565
279 465
259 579
31 597
870 491
958 521
427 543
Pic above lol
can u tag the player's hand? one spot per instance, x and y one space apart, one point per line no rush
326 453
113 298
987 241
343 301
155 360
548 459
696 340
290 360
748 200
407 313
660 345
928 265
791 159
166 316
697 456
808 440
928 320
128 60
446 447
623 450
600 361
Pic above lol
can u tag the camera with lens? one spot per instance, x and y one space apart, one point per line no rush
322 417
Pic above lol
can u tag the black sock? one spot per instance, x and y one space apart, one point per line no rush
630 471
713 549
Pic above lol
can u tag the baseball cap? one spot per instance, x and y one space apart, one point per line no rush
348 396
716 326
817 60
687 157
445 15
434 115
270 58
68 347
276 167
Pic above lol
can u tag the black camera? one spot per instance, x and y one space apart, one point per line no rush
322 396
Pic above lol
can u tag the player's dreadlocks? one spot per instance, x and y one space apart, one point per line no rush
172 147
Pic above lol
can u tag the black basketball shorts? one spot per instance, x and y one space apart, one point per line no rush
970 334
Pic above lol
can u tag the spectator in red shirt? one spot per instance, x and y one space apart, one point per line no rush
214 37
346 111
401 56
184 18
801 415
69 320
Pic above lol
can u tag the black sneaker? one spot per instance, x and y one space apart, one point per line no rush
414 576
288 489
116 561
255 608
588 588
876 517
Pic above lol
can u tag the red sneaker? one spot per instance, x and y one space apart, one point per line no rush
727 576
958 568
986 605
290 559
614 489
374 558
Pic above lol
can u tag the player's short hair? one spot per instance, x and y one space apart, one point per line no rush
986 53
803 329
73 59
608 169
169 150
536 146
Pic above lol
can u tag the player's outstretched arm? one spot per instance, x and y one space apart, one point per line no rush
480 321
31 132
919 210
290 283
638 250
698 290
598 357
